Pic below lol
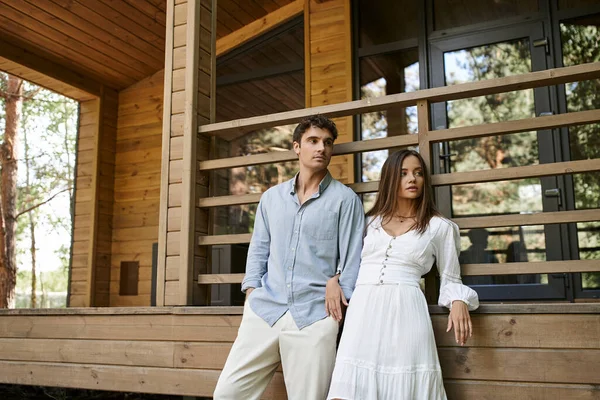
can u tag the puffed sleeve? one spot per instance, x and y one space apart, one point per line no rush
446 243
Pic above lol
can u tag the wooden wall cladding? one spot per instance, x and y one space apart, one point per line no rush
137 185
181 352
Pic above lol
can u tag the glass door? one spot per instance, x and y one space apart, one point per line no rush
510 50
580 43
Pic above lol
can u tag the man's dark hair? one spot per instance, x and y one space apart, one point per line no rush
316 121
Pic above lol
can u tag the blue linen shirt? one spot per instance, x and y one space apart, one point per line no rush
295 249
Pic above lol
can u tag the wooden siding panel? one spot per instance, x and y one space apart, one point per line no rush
185 342
329 69
137 185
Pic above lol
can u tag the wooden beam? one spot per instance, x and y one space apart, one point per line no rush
473 89
504 174
541 218
46 65
95 322
224 239
259 27
209 279
542 267
521 125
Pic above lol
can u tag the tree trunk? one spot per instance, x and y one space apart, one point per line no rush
33 260
8 191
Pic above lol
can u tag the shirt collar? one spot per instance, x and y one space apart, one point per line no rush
322 186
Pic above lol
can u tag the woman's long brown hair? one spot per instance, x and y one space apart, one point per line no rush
386 204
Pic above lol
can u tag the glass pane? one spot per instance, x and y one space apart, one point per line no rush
581 44
457 13
522 196
481 63
379 76
379 23
588 235
503 245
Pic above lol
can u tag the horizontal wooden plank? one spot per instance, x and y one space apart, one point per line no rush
529 171
522 125
529 365
542 218
224 239
259 27
109 352
171 381
281 156
545 267
525 331
208 279
480 88
488 390
226 312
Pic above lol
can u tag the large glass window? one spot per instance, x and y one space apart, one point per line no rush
379 21
457 13
581 44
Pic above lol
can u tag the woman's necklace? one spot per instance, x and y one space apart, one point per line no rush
403 218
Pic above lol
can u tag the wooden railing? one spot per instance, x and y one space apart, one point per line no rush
425 139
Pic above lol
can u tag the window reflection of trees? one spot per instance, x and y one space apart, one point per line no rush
581 44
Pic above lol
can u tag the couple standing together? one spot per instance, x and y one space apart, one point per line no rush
312 251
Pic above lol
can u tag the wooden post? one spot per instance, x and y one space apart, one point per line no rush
189 54
424 123
328 69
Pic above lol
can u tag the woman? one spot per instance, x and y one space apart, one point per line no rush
387 349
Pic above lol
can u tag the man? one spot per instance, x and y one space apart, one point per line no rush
477 253
307 236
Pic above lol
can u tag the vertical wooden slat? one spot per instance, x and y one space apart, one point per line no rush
89 291
307 74
190 123
424 126
166 143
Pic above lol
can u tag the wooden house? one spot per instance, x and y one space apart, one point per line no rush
176 100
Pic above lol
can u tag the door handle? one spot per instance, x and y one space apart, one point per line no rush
554 192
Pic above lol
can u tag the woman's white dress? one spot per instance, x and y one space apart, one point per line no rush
388 350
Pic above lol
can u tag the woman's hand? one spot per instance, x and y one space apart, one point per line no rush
460 319
334 298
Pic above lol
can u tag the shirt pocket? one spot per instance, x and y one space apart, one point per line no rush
322 226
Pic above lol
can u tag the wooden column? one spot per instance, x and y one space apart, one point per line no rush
188 103
328 68
94 197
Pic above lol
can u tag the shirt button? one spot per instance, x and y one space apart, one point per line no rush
290 268
288 285
293 249
381 281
